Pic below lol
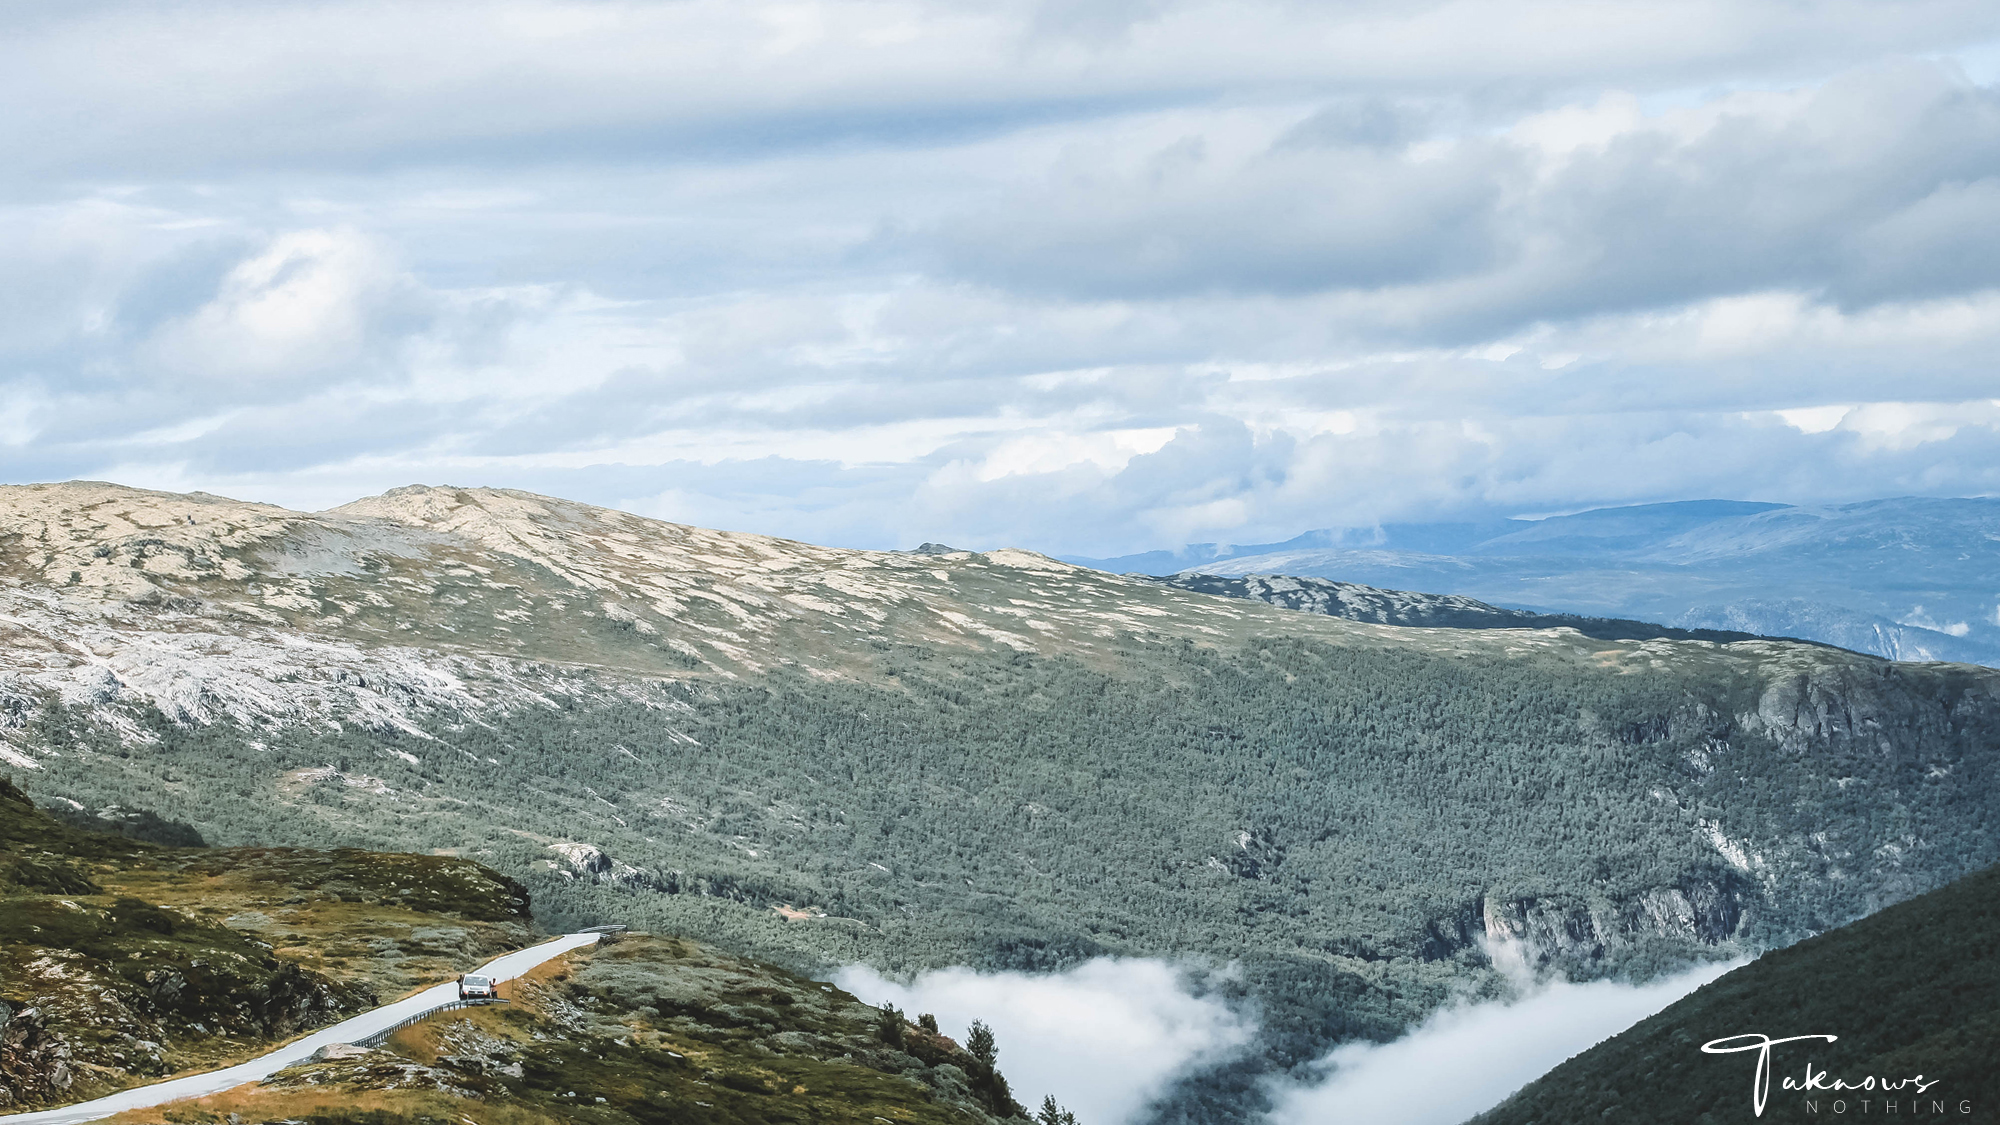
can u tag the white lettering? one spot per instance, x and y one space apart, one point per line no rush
1760 1080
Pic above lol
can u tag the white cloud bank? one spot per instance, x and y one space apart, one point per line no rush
1464 1060
1105 1038
1110 1036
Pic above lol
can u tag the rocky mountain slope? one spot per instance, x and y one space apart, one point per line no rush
822 756
122 962
1909 579
1914 990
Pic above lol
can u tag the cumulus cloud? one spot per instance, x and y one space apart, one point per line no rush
1105 1038
1464 1060
312 303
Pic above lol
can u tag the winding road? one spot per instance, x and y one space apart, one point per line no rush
291 1054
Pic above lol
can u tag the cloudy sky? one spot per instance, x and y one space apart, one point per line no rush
1090 276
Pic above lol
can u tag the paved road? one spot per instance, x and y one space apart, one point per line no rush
346 1031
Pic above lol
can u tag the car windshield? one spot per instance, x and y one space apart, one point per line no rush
477 980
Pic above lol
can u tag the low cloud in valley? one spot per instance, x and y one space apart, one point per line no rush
1465 1059
1105 1038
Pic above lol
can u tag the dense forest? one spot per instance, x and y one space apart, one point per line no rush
1343 823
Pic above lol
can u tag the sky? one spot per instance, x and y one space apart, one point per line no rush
1086 276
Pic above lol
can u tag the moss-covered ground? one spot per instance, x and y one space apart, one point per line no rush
123 961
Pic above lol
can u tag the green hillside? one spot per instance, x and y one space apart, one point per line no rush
1344 822
122 962
1913 990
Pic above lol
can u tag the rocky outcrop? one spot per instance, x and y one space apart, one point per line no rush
1883 706
1817 704
590 863
34 1060
288 1001
1573 935
1256 853
1541 932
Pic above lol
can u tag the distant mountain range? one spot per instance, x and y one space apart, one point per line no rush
1909 579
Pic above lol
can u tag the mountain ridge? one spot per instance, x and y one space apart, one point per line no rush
1356 602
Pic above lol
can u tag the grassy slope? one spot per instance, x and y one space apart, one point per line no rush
142 961
646 1029
1912 990
123 961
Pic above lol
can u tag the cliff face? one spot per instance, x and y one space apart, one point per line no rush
1893 709
1847 731
1574 937
1578 936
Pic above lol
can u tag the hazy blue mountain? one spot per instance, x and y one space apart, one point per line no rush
1910 578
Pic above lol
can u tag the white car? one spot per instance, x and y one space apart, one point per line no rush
478 988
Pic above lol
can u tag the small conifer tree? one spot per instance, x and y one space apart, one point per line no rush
979 1043
1054 1114
890 1025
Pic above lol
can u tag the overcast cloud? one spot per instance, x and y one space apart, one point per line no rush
1091 277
